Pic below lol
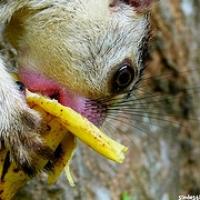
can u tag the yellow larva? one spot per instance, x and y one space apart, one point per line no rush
81 128
64 126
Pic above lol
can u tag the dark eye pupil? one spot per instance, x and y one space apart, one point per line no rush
123 78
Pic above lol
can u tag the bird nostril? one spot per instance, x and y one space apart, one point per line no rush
55 95
20 86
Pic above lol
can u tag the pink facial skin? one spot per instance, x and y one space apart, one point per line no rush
38 83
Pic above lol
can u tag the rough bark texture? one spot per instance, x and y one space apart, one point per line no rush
163 158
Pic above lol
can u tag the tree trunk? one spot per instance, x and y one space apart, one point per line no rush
162 161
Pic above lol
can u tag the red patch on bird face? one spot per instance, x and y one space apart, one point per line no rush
138 5
39 83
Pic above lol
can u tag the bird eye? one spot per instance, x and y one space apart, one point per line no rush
123 77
